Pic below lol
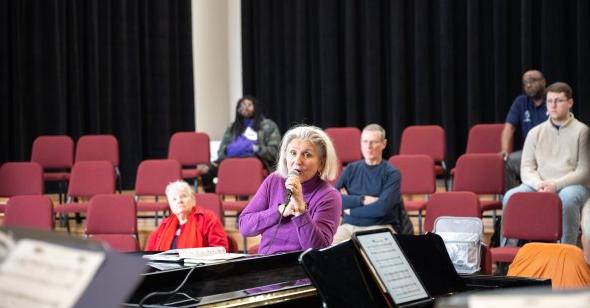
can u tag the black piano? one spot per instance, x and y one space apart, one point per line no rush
281 280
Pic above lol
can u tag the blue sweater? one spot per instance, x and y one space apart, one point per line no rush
382 181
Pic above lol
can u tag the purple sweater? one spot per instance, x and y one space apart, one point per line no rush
313 229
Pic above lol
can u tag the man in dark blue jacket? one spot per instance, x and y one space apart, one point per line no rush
371 190
527 111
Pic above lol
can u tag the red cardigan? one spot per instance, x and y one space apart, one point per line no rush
202 229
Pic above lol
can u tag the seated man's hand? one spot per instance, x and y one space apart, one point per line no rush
343 191
547 186
369 199
504 155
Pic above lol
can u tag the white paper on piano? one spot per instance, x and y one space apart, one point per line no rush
216 258
40 274
177 255
551 300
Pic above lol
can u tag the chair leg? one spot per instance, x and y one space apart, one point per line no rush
119 181
66 221
419 222
245 239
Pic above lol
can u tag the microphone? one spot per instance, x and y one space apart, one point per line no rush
287 198
289 192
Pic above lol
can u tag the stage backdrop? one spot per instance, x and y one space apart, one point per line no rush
96 67
399 63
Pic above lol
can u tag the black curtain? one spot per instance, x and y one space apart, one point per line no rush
405 62
118 67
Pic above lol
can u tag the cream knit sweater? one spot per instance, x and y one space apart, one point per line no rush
559 155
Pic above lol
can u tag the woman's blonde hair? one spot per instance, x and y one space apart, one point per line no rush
328 160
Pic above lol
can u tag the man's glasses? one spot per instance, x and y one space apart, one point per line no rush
557 101
371 142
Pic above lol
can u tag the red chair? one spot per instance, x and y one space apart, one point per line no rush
481 174
99 147
238 177
88 178
35 212
211 202
485 138
190 149
112 219
454 203
56 156
532 216
20 178
417 179
347 143
428 140
152 178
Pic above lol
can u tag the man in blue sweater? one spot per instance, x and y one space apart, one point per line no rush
371 190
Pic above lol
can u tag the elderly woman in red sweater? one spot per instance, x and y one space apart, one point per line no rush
189 226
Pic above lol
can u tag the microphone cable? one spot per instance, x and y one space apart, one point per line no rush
277 228
287 201
161 293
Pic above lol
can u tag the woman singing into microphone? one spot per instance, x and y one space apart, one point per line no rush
311 216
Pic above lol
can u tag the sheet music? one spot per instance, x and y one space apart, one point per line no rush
392 267
40 274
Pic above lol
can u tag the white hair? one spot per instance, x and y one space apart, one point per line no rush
373 127
177 186
321 141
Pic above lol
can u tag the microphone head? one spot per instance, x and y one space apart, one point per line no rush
293 172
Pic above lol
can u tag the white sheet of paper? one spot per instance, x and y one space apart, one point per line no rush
186 253
40 274
250 134
570 300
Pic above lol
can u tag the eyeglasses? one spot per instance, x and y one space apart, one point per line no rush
371 142
557 101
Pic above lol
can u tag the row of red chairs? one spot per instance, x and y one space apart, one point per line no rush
421 140
90 178
527 216
110 218
57 156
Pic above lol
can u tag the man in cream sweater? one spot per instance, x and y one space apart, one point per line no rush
555 159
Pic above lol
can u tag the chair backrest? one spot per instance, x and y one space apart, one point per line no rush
53 152
424 139
21 178
98 147
479 173
239 176
533 216
485 138
417 173
211 202
153 175
455 203
347 143
89 178
112 218
189 148
35 212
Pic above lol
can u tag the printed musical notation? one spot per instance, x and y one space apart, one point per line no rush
392 267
